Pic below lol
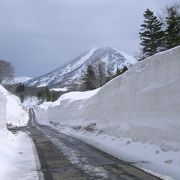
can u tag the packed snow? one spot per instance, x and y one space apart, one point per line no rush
3 101
17 160
17 114
75 96
137 113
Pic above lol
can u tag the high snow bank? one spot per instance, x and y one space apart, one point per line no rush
141 105
75 96
2 113
17 160
16 114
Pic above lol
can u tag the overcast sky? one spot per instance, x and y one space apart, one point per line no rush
37 36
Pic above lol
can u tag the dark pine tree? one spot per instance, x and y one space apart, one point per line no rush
120 71
20 88
172 32
89 80
151 34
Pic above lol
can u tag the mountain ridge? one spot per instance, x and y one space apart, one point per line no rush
72 71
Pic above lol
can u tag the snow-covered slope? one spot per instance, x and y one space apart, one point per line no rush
73 70
17 80
139 110
21 79
16 114
2 113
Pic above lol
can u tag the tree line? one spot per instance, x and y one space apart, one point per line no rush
98 75
43 93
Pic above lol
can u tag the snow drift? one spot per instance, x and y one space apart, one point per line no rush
17 160
2 114
16 114
141 105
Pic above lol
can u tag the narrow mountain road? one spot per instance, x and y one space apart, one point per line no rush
64 157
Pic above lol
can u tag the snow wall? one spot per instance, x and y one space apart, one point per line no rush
16 114
2 113
142 104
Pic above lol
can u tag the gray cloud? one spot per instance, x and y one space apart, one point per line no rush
39 35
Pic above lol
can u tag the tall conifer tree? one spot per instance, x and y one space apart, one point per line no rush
173 28
89 80
151 34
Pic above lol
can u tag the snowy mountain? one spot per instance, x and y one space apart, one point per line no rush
17 80
21 79
73 70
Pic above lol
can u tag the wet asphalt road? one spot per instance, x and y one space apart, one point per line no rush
65 157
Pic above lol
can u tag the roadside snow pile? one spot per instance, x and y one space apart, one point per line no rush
2 114
75 96
139 111
16 114
16 153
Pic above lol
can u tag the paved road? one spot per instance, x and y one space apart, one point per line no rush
64 157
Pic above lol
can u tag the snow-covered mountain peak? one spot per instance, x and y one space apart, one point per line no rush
72 71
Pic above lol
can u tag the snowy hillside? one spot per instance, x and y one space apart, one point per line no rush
21 79
137 113
16 114
72 71
17 80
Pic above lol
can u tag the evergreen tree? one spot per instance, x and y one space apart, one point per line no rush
172 32
47 94
39 95
44 94
89 80
151 34
120 71
124 69
20 88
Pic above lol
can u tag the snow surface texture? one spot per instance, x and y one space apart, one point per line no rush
142 105
16 153
72 71
17 161
16 114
